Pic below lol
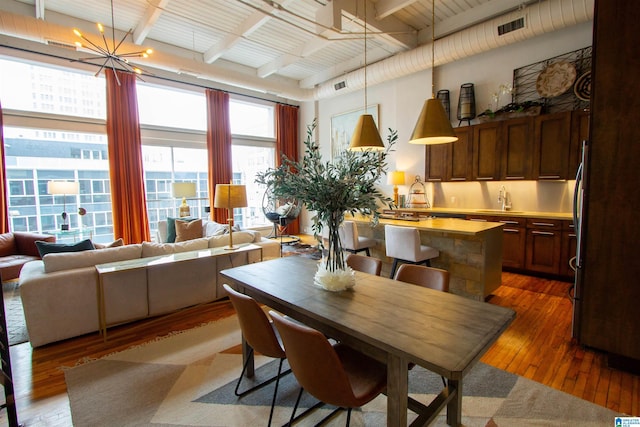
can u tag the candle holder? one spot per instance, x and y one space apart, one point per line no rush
466 104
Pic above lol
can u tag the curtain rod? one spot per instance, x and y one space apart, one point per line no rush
51 55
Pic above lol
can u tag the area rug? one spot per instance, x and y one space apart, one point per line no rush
303 250
16 326
187 379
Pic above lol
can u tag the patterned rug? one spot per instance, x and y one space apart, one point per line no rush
187 379
303 250
16 326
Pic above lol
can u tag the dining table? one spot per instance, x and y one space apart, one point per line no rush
394 322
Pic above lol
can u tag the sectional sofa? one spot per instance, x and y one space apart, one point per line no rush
60 292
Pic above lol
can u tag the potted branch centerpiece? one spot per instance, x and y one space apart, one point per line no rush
330 189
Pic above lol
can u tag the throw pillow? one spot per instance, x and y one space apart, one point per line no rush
113 244
171 227
188 230
52 248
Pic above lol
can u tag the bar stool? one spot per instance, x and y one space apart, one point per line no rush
353 243
403 245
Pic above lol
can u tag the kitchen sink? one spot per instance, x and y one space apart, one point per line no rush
496 211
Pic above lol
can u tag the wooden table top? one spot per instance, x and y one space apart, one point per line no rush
442 332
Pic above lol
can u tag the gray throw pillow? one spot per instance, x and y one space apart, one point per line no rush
53 248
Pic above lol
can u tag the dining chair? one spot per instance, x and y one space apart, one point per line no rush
403 245
259 333
352 241
366 264
428 277
335 374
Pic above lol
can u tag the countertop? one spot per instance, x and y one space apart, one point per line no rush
445 225
496 212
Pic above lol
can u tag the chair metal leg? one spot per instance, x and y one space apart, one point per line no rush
275 392
349 416
367 252
393 267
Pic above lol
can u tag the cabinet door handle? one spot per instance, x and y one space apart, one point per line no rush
543 224
572 235
477 219
510 230
458 179
484 178
514 177
543 233
509 222
549 177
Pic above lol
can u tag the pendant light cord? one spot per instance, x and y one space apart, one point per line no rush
365 57
433 47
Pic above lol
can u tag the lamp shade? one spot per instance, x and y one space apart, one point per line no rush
230 196
433 125
365 135
183 189
62 187
395 178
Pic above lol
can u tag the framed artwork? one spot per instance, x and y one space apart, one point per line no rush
342 126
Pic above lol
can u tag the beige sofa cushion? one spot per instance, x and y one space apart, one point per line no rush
70 260
239 237
159 249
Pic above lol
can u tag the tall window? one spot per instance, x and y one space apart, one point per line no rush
55 130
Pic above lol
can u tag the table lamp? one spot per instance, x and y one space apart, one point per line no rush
183 190
395 178
64 188
230 196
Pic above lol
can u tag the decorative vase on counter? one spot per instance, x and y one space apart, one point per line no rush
348 183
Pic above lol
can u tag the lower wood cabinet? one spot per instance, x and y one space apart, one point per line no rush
544 240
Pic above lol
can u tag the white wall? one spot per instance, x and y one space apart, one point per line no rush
400 102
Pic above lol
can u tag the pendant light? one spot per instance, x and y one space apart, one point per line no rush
365 136
433 125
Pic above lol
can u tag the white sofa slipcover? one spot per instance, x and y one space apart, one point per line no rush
60 292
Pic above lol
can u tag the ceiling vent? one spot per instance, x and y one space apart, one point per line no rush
511 26
340 85
62 45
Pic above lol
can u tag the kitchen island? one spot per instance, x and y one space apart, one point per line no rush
471 251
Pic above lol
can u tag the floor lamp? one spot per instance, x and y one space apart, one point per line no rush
64 188
230 196
183 190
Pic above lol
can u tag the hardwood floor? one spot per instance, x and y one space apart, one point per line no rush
537 346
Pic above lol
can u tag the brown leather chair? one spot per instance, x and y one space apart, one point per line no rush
335 374
428 277
260 334
366 264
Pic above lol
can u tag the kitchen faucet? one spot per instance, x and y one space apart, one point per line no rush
504 199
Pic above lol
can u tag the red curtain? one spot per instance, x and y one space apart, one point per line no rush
128 199
287 143
218 147
4 205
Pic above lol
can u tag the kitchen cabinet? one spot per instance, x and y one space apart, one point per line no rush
551 146
513 241
486 149
450 162
543 245
516 160
579 133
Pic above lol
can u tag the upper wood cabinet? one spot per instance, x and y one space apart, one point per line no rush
450 162
486 151
524 148
579 133
551 146
516 161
